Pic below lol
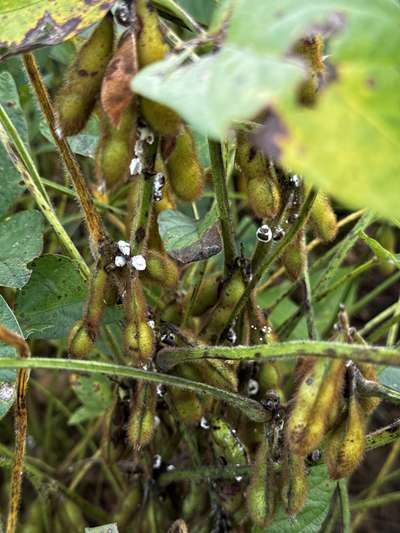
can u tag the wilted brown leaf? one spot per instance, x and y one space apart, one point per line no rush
116 93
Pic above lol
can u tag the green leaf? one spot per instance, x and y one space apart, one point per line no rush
7 377
186 239
28 24
53 299
356 125
380 251
310 519
95 394
21 240
217 90
355 122
107 528
201 10
84 143
390 376
262 24
9 177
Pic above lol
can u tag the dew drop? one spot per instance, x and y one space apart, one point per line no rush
315 455
204 423
145 134
231 336
168 338
294 180
278 233
161 390
252 387
157 460
264 233
122 14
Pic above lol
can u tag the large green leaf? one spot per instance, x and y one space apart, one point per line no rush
186 239
213 92
310 519
21 240
9 177
7 377
53 299
390 376
349 144
27 24
356 123
267 25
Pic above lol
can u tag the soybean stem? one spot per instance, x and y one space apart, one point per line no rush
251 408
93 221
221 193
344 505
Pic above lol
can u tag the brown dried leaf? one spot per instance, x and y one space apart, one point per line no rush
116 93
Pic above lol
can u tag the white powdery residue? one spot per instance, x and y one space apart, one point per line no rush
135 167
6 392
138 262
120 261
124 247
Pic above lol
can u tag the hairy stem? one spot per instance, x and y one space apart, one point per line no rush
93 221
16 151
221 193
169 357
250 408
274 253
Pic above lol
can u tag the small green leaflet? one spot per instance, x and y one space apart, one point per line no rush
380 251
7 377
186 239
21 240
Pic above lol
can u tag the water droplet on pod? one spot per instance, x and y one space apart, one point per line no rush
231 336
122 14
278 233
204 423
157 460
252 387
264 233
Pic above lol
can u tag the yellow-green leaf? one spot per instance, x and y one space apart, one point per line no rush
28 24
